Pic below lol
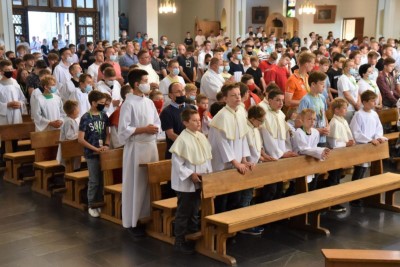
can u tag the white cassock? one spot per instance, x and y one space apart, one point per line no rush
10 91
339 133
191 153
366 126
61 73
275 133
83 101
153 76
69 131
136 111
93 70
305 144
67 90
34 96
253 137
211 84
115 93
164 86
46 110
227 137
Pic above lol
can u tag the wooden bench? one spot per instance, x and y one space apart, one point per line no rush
361 258
111 160
45 145
14 159
163 210
216 228
390 117
75 181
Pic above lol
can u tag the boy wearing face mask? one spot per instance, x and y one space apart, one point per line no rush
47 110
138 127
81 93
109 85
94 136
172 77
191 93
66 91
12 100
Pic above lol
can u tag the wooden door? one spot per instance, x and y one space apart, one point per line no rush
87 25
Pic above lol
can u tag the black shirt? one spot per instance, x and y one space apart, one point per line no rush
188 41
333 76
187 65
257 75
379 65
235 67
171 119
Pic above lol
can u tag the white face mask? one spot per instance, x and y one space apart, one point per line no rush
144 88
70 60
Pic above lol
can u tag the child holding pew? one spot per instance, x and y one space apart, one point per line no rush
94 136
191 157
366 128
227 136
306 139
70 129
339 136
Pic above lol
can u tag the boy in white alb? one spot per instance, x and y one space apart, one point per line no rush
306 139
366 128
339 136
227 136
110 86
81 93
138 127
191 157
47 110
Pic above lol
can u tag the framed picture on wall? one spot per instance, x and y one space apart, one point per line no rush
259 15
325 14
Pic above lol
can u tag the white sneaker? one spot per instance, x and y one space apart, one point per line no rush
99 210
93 212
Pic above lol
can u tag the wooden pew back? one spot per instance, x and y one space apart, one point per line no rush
12 132
70 149
45 145
224 182
388 115
357 257
111 160
158 173
161 147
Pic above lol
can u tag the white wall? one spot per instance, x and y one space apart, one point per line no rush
344 9
273 5
6 27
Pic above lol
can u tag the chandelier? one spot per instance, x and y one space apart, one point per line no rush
307 7
167 6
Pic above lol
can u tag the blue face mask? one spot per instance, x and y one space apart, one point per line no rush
227 68
113 58
53 89
371 77
78 75
88 88
175 71
353 71
220 69
192 97
239 57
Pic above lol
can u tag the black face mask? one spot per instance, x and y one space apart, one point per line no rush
250 53
100 107
8 74
180 99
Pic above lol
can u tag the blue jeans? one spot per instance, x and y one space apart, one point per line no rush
95 184
245 197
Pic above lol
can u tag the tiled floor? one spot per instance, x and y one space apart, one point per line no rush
38 231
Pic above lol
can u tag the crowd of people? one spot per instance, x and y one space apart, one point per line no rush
218 103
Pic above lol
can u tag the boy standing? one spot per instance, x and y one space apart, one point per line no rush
138 127
191 157
366 128
227 136
94 136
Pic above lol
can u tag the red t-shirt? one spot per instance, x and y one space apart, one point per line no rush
279 75
256 99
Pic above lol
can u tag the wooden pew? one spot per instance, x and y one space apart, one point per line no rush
163 210
216 228
111 160
14 159
389 116
45 145
75 181
361 258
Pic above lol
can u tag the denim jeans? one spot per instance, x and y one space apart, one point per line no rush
95 184
245 197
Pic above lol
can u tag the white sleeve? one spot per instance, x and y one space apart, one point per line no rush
270 144
304 148
125 130
179 168
358 133
71 131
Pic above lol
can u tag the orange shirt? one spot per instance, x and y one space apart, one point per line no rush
253 96
298 86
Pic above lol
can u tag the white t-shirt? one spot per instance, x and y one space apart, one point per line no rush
364 85
348 84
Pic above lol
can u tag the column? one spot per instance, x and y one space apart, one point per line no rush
6 26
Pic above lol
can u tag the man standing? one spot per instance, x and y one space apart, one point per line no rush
212 81
127 60
145 64
200 38
187 65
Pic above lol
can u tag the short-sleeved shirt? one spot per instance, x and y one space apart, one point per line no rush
171 119
233 67
319 105
279 75
257 75
348 84
188 41
94 127
333 76
297 86
187 65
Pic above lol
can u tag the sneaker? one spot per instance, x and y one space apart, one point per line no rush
338 208
253 231
184 248
99 210
93 212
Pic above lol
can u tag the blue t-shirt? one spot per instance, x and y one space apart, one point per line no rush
318 104
94 127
